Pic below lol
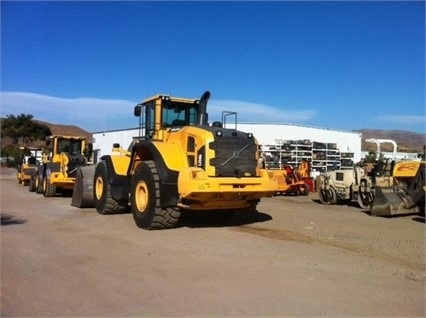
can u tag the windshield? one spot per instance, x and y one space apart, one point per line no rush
71 146
179 114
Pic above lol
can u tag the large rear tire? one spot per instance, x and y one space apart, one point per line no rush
104 202
328 196
32 184
38 184
145 198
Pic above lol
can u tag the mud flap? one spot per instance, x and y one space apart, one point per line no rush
82 195
387 203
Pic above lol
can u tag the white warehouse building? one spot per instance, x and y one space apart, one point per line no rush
325 148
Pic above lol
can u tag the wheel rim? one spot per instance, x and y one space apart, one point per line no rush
141 196
99 188
44 184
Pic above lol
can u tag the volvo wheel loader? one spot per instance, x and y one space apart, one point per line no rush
57 171
404 193
180 163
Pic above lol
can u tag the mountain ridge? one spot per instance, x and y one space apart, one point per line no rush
407 141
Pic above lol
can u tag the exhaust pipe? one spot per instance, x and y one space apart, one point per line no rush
203 116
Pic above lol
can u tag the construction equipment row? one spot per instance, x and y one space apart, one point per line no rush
180 162
391 188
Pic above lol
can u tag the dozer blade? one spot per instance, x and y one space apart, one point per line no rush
82 195
387 203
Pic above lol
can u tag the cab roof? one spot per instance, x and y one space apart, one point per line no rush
67 137
170 98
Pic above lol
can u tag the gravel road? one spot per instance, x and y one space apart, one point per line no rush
297 258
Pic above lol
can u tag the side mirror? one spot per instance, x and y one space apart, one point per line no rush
137 111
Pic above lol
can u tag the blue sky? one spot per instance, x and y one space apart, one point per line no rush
341 65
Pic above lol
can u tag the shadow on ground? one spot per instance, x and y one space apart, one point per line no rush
200 219
420 219
7 219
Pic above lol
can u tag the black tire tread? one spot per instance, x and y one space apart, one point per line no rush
111 206
161 218
50 190
39 186
31 184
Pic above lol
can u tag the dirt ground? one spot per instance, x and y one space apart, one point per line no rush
297 258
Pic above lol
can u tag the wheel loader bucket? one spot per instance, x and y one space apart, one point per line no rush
387 202
82 195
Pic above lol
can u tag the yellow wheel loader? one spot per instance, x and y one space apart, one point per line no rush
181 163
28 165
58 169
404 191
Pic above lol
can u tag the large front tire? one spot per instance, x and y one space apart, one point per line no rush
49 190
145 198
104 202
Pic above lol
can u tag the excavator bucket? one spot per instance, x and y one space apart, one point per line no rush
406 196
82 195
388 202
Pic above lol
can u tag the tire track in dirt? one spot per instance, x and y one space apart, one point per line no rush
411 270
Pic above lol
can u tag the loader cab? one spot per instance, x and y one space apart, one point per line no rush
71 146
162 112
66 144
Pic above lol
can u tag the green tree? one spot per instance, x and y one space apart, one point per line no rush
23 129
370 157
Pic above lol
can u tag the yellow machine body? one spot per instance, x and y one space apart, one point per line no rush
28 165
202 187
64 148
180 162
59 167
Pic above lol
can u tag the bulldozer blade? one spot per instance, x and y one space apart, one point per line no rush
387 203
82 195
